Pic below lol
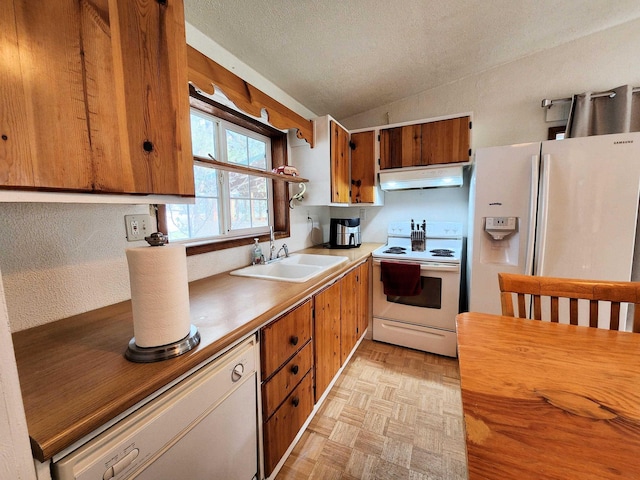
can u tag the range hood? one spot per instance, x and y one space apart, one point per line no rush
421 177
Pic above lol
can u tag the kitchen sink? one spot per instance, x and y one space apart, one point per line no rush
298 267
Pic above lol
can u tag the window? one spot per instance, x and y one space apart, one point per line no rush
212 114
228 204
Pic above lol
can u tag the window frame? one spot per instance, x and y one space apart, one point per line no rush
279 189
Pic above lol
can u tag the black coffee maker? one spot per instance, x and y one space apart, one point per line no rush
344 233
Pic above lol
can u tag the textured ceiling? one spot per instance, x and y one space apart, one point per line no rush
346 57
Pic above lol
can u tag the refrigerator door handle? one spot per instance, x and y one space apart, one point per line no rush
544 213
533 212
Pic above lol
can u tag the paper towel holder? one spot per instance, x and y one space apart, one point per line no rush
138 354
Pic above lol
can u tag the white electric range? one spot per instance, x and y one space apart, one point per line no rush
425 321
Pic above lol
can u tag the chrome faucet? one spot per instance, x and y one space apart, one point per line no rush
272 245
286 251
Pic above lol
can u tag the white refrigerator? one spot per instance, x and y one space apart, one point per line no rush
562 208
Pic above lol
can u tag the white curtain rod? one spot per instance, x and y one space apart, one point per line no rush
547 103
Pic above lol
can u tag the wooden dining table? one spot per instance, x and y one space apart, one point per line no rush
545 400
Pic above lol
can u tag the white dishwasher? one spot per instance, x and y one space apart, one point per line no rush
204 427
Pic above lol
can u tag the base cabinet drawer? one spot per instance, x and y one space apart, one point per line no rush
283 426
288 377
284 337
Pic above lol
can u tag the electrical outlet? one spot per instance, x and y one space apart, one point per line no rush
137 226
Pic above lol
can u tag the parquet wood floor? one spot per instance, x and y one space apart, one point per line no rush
393 414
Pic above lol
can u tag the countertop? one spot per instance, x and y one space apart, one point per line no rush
545 400
73 374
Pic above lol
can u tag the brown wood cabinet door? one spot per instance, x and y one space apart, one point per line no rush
16 156
340 169
363 167
363 297
445 141
44 112
150 64
400 147
327 337
349 314
97 98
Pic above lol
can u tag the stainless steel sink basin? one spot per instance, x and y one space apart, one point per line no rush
296 268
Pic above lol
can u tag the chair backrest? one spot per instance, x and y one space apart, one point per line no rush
533 288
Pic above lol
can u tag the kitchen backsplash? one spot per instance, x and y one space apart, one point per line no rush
58 260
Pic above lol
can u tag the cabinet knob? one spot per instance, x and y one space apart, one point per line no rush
294 340
295 401
295 369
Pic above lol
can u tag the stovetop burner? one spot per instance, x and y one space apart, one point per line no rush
441 252
396 250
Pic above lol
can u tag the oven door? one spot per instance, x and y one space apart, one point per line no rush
437 304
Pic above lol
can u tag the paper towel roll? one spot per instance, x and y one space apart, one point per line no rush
159 294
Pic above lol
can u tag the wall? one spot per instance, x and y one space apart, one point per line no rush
15 450
60 259
505 102
439 204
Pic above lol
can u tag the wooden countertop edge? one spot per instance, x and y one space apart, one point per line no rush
45 445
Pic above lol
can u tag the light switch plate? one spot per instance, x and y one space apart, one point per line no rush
137 226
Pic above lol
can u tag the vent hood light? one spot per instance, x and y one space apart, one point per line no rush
426 177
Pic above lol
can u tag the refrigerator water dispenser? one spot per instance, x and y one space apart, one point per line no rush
501 242
500 227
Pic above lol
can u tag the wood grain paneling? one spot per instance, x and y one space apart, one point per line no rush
50 70
364 296
207 74
326 337
99 97
363 167
151 83
284 425
349 300
340 166
445 141
288 377
16 156
430 143
283 337
400 147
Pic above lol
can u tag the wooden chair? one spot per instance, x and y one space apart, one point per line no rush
525 287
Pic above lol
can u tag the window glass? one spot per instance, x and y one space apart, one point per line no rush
228 204
203 135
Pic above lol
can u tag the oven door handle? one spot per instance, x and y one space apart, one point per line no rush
432 267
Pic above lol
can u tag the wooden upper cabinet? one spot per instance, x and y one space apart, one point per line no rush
363 172
400 147
96 99
432 143
445 141
340 175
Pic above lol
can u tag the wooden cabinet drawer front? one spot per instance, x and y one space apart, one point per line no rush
283 426
288 377
284 337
